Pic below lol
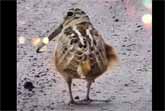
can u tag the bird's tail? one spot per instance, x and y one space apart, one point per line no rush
111 55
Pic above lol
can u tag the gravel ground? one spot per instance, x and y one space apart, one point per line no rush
128 86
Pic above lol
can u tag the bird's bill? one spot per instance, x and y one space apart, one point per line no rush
42 46
55 32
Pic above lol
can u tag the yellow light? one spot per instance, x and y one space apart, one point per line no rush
147 19
21 40
45 40
36 41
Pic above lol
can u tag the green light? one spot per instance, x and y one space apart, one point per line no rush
147 3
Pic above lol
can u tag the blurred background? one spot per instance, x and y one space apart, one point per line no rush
126 24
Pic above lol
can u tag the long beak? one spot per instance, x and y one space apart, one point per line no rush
40 47
50 38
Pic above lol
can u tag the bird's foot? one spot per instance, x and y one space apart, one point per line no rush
72 102
86 100
96 100
81 102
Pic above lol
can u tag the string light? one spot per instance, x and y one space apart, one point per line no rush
147 3
36 41
45 40
21 40
21 22
147 18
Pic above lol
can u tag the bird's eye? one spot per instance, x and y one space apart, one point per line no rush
69 13
82 12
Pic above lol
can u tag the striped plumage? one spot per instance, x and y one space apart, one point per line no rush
80 50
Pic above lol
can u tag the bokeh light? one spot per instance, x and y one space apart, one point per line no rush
36 41
45 40
147 4
21 40
21 22
147 19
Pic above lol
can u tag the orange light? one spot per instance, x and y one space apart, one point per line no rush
36 41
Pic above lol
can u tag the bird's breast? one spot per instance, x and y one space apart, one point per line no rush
81 51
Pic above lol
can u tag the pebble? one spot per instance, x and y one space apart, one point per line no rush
28 85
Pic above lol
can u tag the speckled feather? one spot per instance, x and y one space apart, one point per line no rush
81 51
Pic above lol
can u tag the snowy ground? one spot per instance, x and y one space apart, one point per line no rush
128 86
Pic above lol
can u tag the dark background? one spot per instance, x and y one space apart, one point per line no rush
8 55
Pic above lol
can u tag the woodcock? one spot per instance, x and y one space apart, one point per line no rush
80 51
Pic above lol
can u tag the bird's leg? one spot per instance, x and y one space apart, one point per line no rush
88 91
87 98
69 82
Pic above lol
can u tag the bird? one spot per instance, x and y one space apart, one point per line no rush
80 50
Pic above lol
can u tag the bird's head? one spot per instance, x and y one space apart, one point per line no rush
74 14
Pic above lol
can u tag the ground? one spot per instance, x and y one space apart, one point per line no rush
128 86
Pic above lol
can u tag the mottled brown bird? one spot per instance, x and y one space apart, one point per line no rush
80 52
